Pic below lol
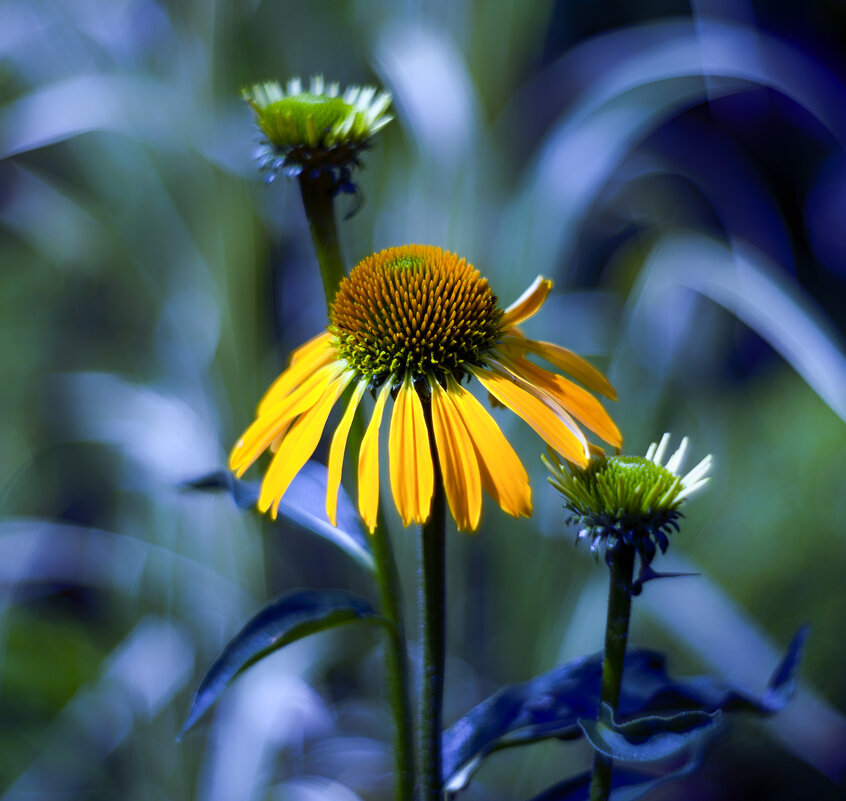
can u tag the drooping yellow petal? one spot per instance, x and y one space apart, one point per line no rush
320 354
457 458
336 453
503 475
545 416
579 402
275 418
298 446
567 361
368 464
528 303
412 471
311 347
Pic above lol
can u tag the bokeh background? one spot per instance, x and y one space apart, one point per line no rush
678 168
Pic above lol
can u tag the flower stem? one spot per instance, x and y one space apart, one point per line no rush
318 194
432 602
621 568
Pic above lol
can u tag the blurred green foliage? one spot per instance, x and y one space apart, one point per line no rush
151 287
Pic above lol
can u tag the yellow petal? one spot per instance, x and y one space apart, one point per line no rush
579 402
298 446
368 464
320 353
336 453
274 420
311 347
412 471
528 303
457 457
503 475
567 361
550 421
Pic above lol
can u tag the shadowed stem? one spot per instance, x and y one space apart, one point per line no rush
318 193
432 603
621 568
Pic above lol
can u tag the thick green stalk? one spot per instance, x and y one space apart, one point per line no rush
318 193
432 603
621 568
318 200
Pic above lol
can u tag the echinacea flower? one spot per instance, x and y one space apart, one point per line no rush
411 323
628 499
318 129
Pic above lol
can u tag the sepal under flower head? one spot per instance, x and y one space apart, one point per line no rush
319 129
632 500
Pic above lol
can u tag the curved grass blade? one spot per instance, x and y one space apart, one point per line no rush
284 621
304 504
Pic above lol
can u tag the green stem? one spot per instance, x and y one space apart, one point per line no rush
318 193
432 601
621 568
318 200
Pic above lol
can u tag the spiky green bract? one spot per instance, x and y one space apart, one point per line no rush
627 499
319 129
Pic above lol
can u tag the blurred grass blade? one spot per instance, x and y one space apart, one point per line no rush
742 281
284 621
304 504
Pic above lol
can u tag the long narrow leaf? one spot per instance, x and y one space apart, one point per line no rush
284 621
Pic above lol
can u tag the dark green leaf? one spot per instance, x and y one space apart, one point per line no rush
628 784
550 705
647 738
304 503
287 619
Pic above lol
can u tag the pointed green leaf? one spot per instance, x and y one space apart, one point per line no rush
287 619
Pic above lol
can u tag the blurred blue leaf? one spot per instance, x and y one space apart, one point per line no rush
284 621
551 705
647 738
304 504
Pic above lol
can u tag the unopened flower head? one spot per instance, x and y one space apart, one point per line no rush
634 500
316 129
412 323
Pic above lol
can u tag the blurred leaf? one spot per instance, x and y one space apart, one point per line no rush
304 504
284 621
551 705
743 281
648 738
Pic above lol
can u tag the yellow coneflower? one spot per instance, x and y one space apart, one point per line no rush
412 322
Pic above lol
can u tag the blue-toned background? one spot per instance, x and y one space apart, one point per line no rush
677 167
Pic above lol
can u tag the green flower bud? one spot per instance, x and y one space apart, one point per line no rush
634 500
316 130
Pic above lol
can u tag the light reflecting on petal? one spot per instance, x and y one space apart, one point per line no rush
298 446
503 476
368 463
412 471
336 453
457 458
528 303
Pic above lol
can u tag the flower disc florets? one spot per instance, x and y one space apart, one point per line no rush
414 309
319 129
628 499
